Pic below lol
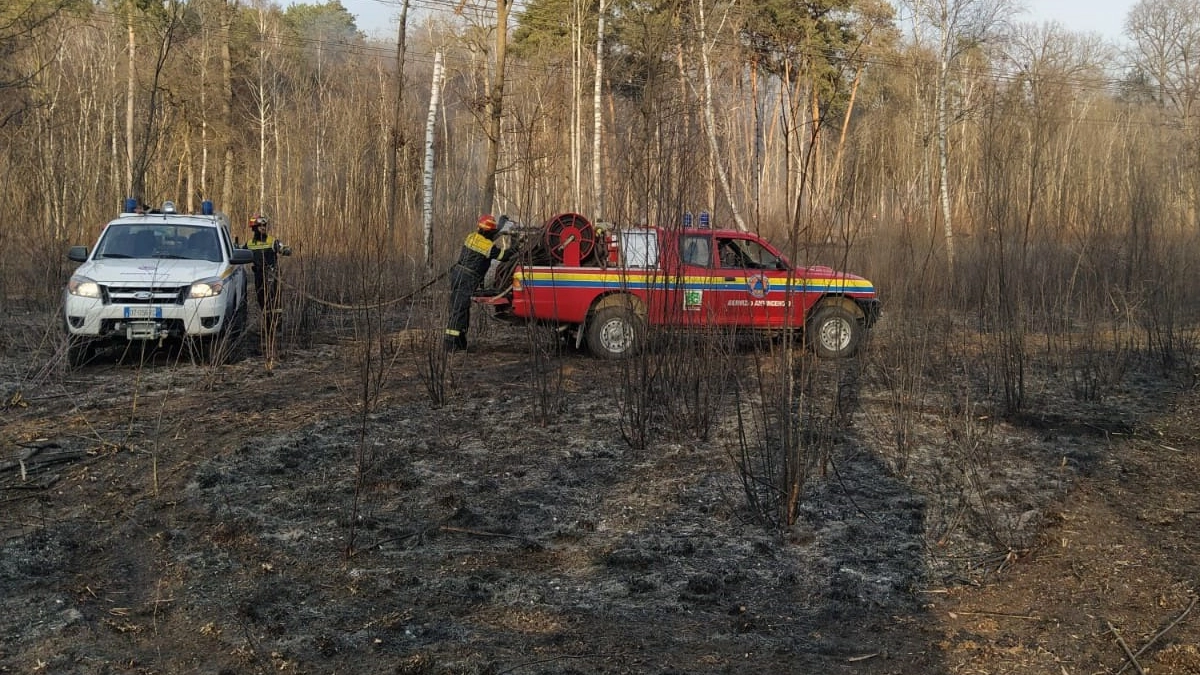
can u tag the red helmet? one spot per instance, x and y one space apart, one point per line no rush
487 223
259 220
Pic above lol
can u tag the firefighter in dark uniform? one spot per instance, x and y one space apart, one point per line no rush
266 249
479 249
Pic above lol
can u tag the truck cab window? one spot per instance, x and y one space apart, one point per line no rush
732 256
760 257
696 251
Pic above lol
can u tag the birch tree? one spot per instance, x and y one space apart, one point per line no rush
263 93
577 7
955 28
228 11
710 124
598 118
435 93
130 95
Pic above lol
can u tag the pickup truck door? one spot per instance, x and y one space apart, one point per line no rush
751 283
697 295
238 277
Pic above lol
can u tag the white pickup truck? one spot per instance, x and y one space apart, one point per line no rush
153 277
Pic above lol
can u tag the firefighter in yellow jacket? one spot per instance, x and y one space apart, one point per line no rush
266 249
479 249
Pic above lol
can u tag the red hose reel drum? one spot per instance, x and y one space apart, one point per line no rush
570 238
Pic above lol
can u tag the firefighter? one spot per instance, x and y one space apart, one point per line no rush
266 249
479 249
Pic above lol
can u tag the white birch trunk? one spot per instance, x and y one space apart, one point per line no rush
229 8
597 120
263 111
711 126
204 117
435 95
130 92
189 171
576 103
941 114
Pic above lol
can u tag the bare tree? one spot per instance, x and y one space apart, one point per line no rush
1165 49
163 20
577 13
130 95
598 118
229 9
21 23
955 28
710 124
399 144
435 91
263 111
496 105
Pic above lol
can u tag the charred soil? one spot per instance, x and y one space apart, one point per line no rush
167 517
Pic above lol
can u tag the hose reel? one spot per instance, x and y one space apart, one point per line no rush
569 238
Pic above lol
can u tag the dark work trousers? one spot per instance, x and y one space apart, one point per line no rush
463 283
266 288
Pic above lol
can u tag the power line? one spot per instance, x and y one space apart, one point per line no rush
358 46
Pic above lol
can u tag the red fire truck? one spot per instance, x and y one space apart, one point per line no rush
605 286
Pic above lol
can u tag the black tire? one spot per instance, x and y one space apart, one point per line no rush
834 332
614 333
80 351
225 348
241 319
218 351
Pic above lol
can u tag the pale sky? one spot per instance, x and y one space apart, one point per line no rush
1106 17
377 18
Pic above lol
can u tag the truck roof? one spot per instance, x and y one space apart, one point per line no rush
180 218
167 213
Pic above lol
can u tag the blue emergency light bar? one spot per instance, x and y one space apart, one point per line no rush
704 220
206 207
687 219
130 205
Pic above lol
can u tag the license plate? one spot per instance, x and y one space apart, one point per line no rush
143 312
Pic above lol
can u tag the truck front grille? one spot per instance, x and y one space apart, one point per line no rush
144 295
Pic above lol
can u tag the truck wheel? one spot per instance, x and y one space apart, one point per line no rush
240 319
834 332
79 352
614 333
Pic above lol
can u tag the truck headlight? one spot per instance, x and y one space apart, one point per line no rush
206 288
83 287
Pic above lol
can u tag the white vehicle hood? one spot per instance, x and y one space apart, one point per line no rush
149 271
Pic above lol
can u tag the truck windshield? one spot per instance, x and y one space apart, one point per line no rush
183 242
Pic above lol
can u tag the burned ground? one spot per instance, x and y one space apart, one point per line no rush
167 517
